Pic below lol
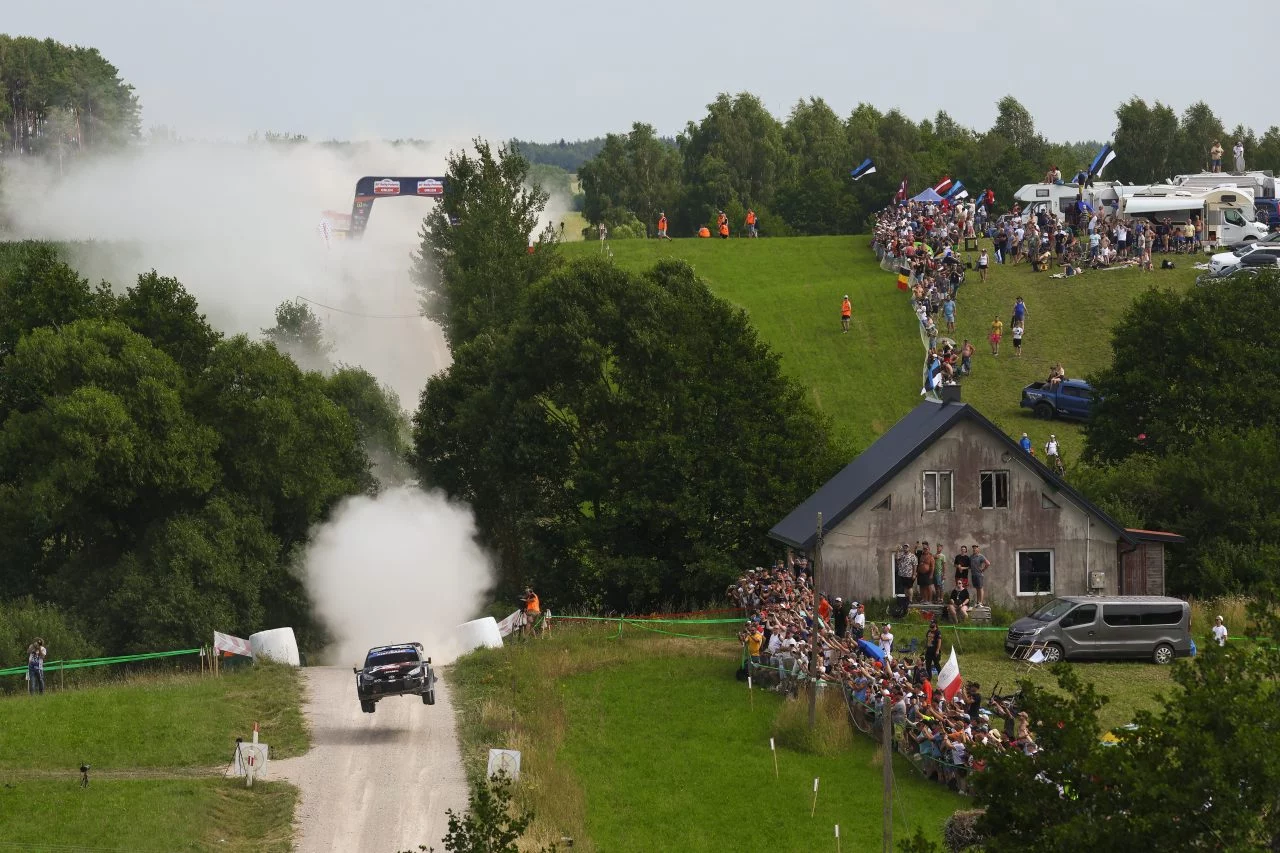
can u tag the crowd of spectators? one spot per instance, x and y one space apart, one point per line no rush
788 624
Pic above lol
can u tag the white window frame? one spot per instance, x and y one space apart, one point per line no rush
951 491
994 472
1017 574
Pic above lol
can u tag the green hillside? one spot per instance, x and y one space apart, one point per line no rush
869 378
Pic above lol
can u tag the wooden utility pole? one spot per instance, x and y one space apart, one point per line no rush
814 632
887 727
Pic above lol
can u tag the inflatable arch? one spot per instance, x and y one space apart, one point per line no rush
369 189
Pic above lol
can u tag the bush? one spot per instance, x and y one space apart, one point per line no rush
833 733
960 832
22 620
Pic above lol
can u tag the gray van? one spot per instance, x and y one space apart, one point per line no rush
1078 627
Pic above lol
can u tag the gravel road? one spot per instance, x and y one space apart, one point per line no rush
374 782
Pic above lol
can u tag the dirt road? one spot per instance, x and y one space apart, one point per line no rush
377 782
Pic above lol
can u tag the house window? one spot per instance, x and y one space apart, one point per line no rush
884 505
1047 502
1035 572
993 489
938 493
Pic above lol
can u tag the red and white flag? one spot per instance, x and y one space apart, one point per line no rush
943 185
949 680
902 191
227 643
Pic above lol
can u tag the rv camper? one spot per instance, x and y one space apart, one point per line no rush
1228 213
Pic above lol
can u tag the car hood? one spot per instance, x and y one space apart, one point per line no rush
1026 623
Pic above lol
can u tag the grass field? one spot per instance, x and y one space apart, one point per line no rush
156 747
648 743
869 378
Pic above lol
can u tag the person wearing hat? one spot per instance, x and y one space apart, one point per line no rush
1219 632
36 653
841 618
846 311
1025 444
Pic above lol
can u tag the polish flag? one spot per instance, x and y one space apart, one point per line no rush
949 681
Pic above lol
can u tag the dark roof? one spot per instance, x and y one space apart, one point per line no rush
892 452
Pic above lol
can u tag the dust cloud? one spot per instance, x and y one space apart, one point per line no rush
239 225
400 567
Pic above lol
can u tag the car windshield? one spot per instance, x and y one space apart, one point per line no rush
1054 610
391 656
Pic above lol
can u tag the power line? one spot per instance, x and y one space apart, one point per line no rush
358 314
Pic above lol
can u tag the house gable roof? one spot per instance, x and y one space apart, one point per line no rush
853 485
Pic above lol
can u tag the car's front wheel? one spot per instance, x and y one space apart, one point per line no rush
429 698
1044 410
368 707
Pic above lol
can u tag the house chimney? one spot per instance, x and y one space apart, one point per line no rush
950 394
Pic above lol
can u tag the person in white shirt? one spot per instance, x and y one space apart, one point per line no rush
886 641
1238 150
1219 632
1051 446
861 618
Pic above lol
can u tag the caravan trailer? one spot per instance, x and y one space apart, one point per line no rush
1059 199
1259 184
1228 213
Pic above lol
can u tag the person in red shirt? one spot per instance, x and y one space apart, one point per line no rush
846 311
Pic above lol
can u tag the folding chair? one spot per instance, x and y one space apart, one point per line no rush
1031 657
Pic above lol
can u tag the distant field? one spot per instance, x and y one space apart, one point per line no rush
156 747
869 378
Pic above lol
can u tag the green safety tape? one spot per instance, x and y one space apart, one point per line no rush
677 634
81 663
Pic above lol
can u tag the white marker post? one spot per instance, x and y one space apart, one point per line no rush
751 693
814 810
837 838
251 765
774 750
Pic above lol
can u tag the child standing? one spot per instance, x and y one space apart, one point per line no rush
1017 340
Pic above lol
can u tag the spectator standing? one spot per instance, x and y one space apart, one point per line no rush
886 640
1025 444
36 653
1017 340
997 331
859 619
939 572
949 313
841 617
1219 632
753 639
751 224
1215 157
983 263
978 565
966 357
662 226
1051 450
933 649
962 564
904 570
1238 151
924 575
846 311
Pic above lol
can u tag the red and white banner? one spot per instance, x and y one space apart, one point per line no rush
235 645
506 626
949 680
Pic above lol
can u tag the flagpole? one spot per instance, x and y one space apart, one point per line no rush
887 745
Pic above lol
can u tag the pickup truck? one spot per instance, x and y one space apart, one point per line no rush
1072 398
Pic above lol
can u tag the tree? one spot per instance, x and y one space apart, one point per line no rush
577 436
634 177
1199 773
488 825
41 290
1014 123
1145 141
1197 131
299 334
383 427
475 259
160 309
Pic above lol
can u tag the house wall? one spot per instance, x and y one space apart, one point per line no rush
857 553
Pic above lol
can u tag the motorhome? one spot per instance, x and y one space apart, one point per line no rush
1260 184
1227 213
1061 199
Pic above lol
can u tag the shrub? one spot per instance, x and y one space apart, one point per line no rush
21 620
960 832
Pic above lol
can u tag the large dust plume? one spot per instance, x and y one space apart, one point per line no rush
400 567
239 225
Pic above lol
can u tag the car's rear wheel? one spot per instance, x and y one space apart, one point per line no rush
368 707
1163 654
429 698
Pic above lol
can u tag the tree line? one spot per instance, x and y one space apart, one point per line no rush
795 173
157 478
57 96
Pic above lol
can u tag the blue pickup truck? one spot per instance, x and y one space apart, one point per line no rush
1071 398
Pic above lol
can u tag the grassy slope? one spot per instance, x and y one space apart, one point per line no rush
869 378
150 740
648 743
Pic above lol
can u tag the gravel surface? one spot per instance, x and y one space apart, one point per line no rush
377 782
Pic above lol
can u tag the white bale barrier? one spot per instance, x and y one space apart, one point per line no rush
478 634
277 644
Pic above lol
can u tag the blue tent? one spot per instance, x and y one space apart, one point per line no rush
928 195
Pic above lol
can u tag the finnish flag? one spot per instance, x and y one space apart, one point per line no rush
866 167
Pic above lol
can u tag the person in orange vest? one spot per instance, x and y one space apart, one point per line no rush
846 311
704 231
751 224
722 224
724 230
532 609
662 226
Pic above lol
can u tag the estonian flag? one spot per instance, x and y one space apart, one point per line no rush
957 191
933 378
943 185
1105 156
866 167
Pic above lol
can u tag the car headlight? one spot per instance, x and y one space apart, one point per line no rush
417 672
1035 631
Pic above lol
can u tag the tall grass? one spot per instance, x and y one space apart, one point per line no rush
832 733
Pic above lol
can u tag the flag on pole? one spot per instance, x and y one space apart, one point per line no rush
1105 156
866 167
943 185
933 378
957 187
949 681
902 191
904 278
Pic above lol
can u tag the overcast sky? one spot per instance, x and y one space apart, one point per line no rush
435 70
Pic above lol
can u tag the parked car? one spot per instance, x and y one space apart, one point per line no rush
396 670
1070 398
1263 254
1271 237
1150 627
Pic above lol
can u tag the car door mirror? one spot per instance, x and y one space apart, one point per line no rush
428 660
356 670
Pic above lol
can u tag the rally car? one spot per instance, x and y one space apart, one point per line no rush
398 670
